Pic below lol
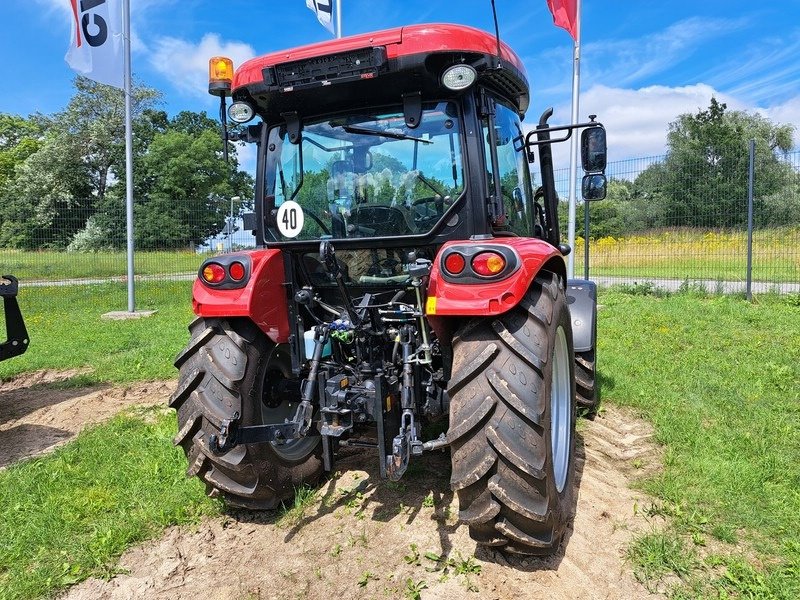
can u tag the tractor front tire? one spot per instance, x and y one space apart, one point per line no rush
512 423
227 369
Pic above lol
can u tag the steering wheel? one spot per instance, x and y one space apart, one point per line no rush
325 229
382 220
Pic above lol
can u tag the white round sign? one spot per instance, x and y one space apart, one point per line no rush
290 219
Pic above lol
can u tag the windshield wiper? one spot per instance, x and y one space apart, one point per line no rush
388 134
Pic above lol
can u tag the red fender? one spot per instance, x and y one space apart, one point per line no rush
262 298
493 296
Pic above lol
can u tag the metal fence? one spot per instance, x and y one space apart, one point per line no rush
679 227
659 223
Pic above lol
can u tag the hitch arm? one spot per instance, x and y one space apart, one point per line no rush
16 333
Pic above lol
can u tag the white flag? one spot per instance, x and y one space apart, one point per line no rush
97 47
324 12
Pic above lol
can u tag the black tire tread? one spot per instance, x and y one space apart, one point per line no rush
215 382
498 446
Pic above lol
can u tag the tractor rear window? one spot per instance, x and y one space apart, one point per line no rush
364 175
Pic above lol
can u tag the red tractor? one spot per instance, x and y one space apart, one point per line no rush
407 271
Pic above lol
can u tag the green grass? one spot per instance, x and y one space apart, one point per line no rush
66 331
720 380
69 515
56 266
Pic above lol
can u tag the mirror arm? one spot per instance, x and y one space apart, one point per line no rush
568 128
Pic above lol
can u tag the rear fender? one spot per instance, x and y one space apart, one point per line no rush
582 301
261 296
448 299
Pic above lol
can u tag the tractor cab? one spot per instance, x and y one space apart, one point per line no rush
411 136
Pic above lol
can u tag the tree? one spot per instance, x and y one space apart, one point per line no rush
56 170
705 174
184 186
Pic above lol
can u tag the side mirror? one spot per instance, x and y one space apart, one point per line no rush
593 187
593 149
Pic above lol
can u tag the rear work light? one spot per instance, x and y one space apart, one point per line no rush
213 273
459 77
454 263
488 263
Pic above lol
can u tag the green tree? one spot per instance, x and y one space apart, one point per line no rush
59 169
705 174
184 186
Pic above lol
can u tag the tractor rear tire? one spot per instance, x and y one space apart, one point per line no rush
512 423
227 369
586 382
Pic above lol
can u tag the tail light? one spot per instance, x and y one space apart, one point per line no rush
478 263
226 272
488 263
237 271
455 263
213 273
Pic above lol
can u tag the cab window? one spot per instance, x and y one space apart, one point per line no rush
512 171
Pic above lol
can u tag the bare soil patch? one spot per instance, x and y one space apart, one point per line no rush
361 525
39 412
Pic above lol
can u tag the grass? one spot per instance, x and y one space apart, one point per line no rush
51 265
696 254
720 380
69 515
66 331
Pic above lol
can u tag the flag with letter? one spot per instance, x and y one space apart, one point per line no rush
97 46
324 12
565 15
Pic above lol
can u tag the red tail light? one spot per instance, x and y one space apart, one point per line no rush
488 263
237 271
455 263
213 273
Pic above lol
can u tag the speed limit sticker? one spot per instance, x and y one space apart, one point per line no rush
290 219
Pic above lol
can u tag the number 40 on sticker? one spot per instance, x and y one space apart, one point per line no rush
290 219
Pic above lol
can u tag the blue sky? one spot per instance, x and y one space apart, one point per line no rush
643 62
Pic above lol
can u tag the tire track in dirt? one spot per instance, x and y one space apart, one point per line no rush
361 525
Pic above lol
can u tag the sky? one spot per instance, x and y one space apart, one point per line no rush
643 63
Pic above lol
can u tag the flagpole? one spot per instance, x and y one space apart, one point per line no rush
338 18
573 145
126 29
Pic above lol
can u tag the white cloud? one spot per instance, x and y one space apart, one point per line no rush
636 120
787 112
185 63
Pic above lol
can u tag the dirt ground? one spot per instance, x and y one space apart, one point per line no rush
361 537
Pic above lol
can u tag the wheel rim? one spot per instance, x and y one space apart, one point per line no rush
560 410
291 450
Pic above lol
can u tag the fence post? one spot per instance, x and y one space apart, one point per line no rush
750 181
586 239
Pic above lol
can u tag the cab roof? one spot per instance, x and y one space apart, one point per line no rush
400 41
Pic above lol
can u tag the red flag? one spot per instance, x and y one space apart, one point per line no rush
565 15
